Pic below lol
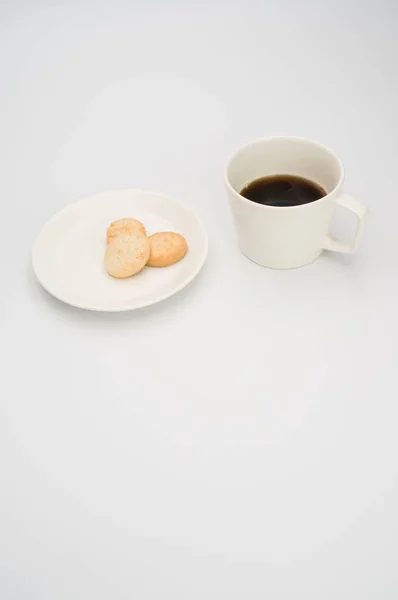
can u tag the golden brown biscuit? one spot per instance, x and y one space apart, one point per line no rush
124 226
126 255
167 248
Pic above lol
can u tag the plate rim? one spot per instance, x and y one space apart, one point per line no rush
126 307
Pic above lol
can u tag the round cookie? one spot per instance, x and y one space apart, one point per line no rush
167 248
126 255
124 226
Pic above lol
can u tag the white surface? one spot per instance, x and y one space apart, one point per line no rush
68 254
294 236
240 440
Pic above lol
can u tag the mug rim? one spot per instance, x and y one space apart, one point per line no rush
283 137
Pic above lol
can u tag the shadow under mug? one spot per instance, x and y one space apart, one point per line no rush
284 237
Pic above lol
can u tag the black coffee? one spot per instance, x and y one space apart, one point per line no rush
283 190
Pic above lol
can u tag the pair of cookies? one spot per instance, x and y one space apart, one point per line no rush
129 249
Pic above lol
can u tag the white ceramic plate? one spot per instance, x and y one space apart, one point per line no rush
68 254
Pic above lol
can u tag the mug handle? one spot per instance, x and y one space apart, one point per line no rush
359 210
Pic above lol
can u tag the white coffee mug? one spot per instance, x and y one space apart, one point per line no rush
286 237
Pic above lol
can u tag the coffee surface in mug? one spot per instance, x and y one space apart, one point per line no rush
282 190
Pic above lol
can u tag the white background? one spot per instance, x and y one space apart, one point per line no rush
238 441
